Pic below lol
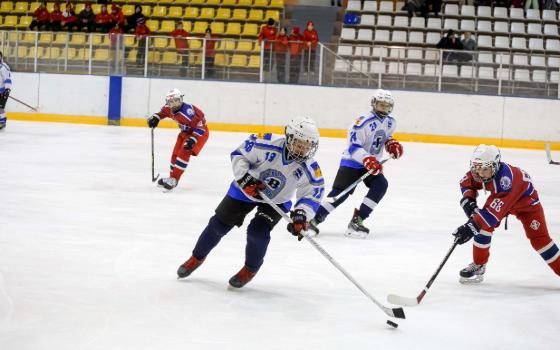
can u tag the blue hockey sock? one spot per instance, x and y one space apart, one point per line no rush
210 237
258 237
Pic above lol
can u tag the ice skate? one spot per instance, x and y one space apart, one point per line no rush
188 267
168 183
472 274
356 229
241 278
2 126
313 230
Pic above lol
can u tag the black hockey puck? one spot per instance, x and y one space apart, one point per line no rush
392 324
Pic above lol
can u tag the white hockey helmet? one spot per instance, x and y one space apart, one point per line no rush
302 139
485 157
382 96
174 99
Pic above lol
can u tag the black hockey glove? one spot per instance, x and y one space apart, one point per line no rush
469 206
299 223
4 98
189 144
465 232
153 121
251 186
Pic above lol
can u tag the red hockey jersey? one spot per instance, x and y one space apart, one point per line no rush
511 192
190 119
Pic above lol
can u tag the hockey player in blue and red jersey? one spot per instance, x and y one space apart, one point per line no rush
368 136
190 141
277 168
5 88
511 192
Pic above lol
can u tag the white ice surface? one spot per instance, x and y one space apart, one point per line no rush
89 249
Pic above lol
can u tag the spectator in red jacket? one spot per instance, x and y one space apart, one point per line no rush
103 20
41 18
117 16
295 44
70 21
281 48
182 46
115 35
56 18
142 32
209 53
268 35
311 38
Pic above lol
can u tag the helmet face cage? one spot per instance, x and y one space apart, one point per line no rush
174 99
485 158
302 139
384 97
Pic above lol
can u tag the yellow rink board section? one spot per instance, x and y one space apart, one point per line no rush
139 122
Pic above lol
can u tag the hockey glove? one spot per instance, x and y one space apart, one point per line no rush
298 224
4 98
153 121
465 232
372 165
251 186
469 206
189 144
394 148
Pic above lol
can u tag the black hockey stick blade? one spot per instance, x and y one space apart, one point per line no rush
398 312
549 155
155 178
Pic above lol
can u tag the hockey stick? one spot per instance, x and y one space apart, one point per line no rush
404 301
354 184
549 155
393 312
23 103
153 171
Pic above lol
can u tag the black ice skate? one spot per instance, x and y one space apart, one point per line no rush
168 183
313 229
241 278
188 267
356 229
472 274
2 126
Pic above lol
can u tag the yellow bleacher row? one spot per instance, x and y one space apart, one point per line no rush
104 55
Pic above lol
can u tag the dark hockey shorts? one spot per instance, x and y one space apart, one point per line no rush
232 212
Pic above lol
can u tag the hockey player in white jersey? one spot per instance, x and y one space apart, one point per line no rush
276 167
368 136
5 88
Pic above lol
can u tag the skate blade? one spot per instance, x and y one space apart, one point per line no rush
472 280
356 235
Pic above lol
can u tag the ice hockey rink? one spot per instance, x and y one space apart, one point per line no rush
89 249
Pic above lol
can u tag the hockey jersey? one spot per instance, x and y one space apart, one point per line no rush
5 77
189 118
367 136
265 159
511 192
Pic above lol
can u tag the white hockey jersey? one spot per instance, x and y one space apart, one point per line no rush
367 136
264 158
5 77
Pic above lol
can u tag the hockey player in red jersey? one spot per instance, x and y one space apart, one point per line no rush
511 192
190 141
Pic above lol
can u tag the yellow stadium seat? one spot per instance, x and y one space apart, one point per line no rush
223 13
198 2
78 39
221 59
100 39
10 21
195 59
82 54
239 14
187 26
170 57
175 12
247 3
71 53
7 6
45 38
161 43
56 52
21 7
191 12
154 56
195 44
24 22
153 25
276 4
261 3
35 5
257 48
22 52
97 8
135 1
229 2
217 28
29 38
61 38
250 29
128 10
182 2
101 55
200 27
233 28
159 11
245 46
274 14
129 41
214 2
132 56
255 15
207 13
254 62
78 8
167 2
167 26
226 45
146 10
238 61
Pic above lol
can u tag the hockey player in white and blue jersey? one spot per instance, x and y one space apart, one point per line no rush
368 136
5 88
277 167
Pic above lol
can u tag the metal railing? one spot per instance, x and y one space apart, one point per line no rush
395 67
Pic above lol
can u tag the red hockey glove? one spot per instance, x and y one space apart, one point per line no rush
372 165
189 144
299 223
394 148
251 186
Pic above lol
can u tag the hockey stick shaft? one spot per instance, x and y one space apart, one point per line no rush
23 103
549 155
394 312
354 184
154 178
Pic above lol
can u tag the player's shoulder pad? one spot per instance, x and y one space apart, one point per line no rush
364 120
504 178
189 110
313 172
267 142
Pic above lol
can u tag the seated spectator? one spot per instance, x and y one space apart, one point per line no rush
469 44
41 18
86 19
518 4
450 42
70 21
117 15
413 6
182 46
432 6
132 20
103 20
115 35
141 32
56 18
